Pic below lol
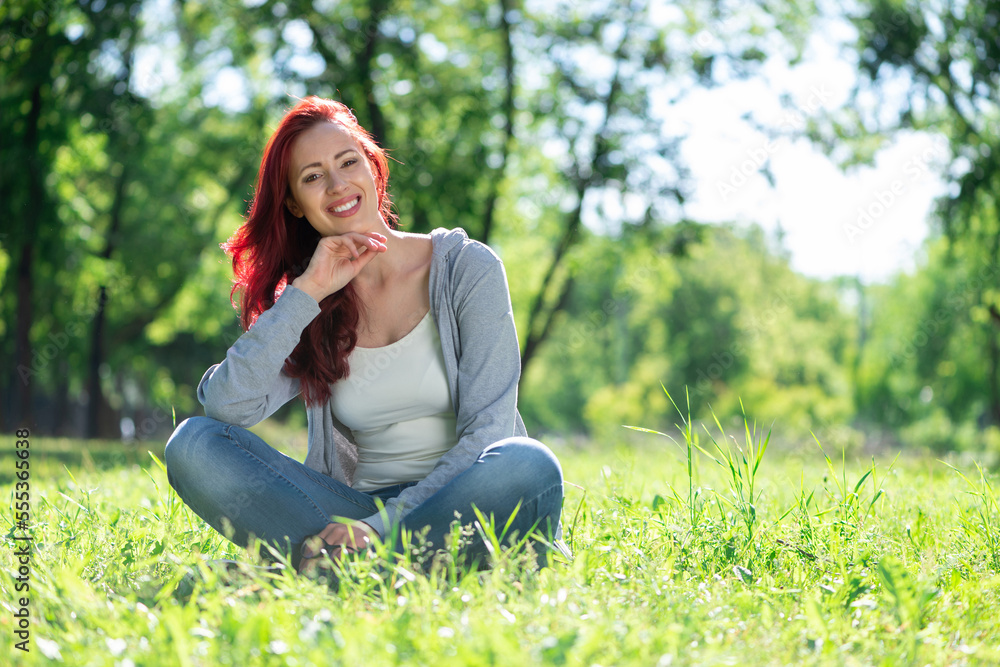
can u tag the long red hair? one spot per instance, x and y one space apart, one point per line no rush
273 247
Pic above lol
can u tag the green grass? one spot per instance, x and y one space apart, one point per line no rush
713 550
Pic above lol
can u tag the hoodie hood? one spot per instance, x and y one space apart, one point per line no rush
446 240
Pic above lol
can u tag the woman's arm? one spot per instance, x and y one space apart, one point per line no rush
250 384
489 367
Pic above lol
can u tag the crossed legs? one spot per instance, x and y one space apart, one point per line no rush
241 486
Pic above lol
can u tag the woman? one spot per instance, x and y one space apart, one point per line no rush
403 347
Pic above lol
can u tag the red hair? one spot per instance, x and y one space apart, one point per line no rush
273 247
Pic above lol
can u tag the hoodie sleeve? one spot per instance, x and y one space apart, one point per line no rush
250 384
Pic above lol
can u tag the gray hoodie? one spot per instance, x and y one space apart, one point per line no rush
470 303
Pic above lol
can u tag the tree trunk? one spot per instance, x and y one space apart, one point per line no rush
994 345
94 393
22 394
377 9
540 318
993 381
21 411
508 116
532 343
61 417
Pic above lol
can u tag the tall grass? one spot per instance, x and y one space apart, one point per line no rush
720 550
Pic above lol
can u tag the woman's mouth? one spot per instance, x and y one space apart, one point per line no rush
347 208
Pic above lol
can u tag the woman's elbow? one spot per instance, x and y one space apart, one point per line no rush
230 413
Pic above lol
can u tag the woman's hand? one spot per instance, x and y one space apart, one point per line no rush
333 542
337 260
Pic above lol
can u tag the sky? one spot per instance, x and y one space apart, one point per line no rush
869 221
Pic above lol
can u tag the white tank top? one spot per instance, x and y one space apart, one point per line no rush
397 403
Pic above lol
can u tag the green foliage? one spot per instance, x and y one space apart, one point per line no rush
135 133
129 192
981 521
852 505
141 130
742 466
727 318
947 59
921 369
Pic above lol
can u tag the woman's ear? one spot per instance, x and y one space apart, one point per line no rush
293 207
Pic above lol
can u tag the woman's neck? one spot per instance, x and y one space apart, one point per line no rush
405 253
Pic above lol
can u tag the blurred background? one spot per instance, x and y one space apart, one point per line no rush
789 204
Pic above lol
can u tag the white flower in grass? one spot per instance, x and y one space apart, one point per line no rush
48 648
115 646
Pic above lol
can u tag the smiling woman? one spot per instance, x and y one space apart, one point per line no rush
404 349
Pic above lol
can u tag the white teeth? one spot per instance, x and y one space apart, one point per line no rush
344 207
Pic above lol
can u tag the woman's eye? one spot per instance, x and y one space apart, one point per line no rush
310 177
350 163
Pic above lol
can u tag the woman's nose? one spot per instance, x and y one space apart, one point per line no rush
335 183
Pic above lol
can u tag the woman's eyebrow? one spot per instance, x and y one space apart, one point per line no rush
335 157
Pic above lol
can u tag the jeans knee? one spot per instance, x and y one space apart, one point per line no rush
529 459
183 446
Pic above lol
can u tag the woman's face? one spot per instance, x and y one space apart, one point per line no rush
330 182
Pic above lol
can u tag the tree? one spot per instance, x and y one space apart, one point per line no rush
116 205
921 370
714 311
949 57
521 123
464 94
49 83
613 70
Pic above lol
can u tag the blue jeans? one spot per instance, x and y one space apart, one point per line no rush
228 475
